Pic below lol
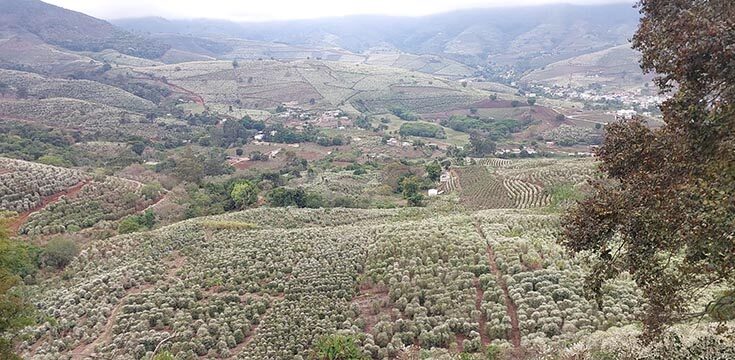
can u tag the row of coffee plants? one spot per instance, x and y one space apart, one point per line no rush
98 202
546 286
23 185
269 283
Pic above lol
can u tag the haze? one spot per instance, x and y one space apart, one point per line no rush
284 9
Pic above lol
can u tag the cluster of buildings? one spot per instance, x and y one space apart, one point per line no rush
633 98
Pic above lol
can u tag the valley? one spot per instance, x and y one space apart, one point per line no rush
501 182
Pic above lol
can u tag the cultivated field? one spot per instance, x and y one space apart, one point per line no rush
53 200
496 183
266 84
23 185
43 88
266 283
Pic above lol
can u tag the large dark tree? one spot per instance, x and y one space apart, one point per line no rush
665 211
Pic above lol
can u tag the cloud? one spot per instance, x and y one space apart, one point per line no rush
249 10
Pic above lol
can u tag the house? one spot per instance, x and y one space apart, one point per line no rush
259 137
444 177
433 192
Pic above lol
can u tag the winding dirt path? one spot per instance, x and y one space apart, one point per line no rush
511 308
87 350
483 317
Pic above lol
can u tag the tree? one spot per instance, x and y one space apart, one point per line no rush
138 147
282 197
481 145
665 212
135 223
411 190
59 252
244 194
433 171
16 262
239 151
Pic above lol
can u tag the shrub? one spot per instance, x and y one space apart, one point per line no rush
137 223
59 252
336 347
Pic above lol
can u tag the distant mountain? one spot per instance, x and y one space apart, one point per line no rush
523 37
615 67
35 22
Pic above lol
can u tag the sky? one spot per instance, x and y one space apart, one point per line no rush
266 10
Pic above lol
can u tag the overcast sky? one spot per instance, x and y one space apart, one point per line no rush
262 10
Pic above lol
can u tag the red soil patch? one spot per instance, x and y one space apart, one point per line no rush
46 201
369 295
483 318
515 332
194 96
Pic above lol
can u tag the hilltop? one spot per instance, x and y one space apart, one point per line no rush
34 19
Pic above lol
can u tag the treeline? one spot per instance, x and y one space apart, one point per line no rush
422 130
239 132
494 129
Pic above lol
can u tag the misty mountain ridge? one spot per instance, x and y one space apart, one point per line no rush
526 37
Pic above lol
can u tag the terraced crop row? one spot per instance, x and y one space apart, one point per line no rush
520 183
483 190
98 203
23 185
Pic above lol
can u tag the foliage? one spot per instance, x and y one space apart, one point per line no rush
336 347
244 194
16 261
30 142
135 223
283 197
665 213
59 252
411 187
422 130
404 114
433 171
481 145
494 129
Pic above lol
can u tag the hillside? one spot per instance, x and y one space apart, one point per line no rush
52 200
616 67
71 30
37 86
525 37
309 83
332 270
266 283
